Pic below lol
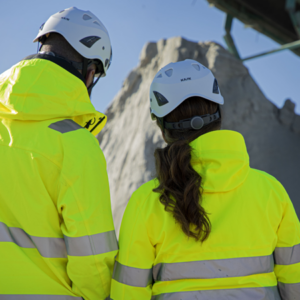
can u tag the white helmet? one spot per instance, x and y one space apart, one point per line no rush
84 32
178 81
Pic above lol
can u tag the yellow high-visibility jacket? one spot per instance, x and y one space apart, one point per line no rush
252 253
57 238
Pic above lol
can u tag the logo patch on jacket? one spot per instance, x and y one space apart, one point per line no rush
92 121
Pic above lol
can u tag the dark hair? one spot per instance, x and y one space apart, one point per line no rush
60 46
179 183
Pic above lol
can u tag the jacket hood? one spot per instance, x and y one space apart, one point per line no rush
221 158
42 87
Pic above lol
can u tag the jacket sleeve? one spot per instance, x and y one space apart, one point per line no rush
132 277
287 252
86 217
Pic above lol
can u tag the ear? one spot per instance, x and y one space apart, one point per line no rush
89 77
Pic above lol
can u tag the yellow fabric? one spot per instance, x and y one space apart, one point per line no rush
38 89
52 184
250 212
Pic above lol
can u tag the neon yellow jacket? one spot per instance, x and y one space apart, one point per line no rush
252 218
57 238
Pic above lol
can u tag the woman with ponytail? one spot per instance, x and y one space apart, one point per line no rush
208 227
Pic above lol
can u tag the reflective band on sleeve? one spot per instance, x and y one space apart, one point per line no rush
289 290
287 255
38 297
92 244
47 247
65 126
132 276
220 268
259 293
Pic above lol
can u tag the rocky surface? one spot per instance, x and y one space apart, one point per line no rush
129 139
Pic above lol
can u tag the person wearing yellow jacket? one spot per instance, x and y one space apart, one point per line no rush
57 238
209 226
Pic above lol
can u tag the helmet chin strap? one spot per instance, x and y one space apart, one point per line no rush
93 84
85 66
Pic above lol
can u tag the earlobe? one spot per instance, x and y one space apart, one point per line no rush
89 77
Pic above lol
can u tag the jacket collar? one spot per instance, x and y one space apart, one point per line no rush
59 61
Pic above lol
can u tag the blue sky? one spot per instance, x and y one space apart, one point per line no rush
132 23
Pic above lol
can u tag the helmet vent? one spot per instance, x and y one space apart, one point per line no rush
197 67
95 22
42 26
161 100
61 11
159 76
86 17
89 41
216 87
169 72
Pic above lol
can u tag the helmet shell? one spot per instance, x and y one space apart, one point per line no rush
181 80
84 32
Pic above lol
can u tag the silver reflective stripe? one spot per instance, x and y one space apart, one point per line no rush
219 268
259 293
289 291
287 255
132 276
65 126
47 247
92 244
38 297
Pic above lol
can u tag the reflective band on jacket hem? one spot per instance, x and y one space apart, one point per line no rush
47 247
287 255
219 268
132 276
65 126
259 293
92 244
38 297
289 290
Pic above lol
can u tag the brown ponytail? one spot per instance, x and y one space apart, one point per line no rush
180 184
